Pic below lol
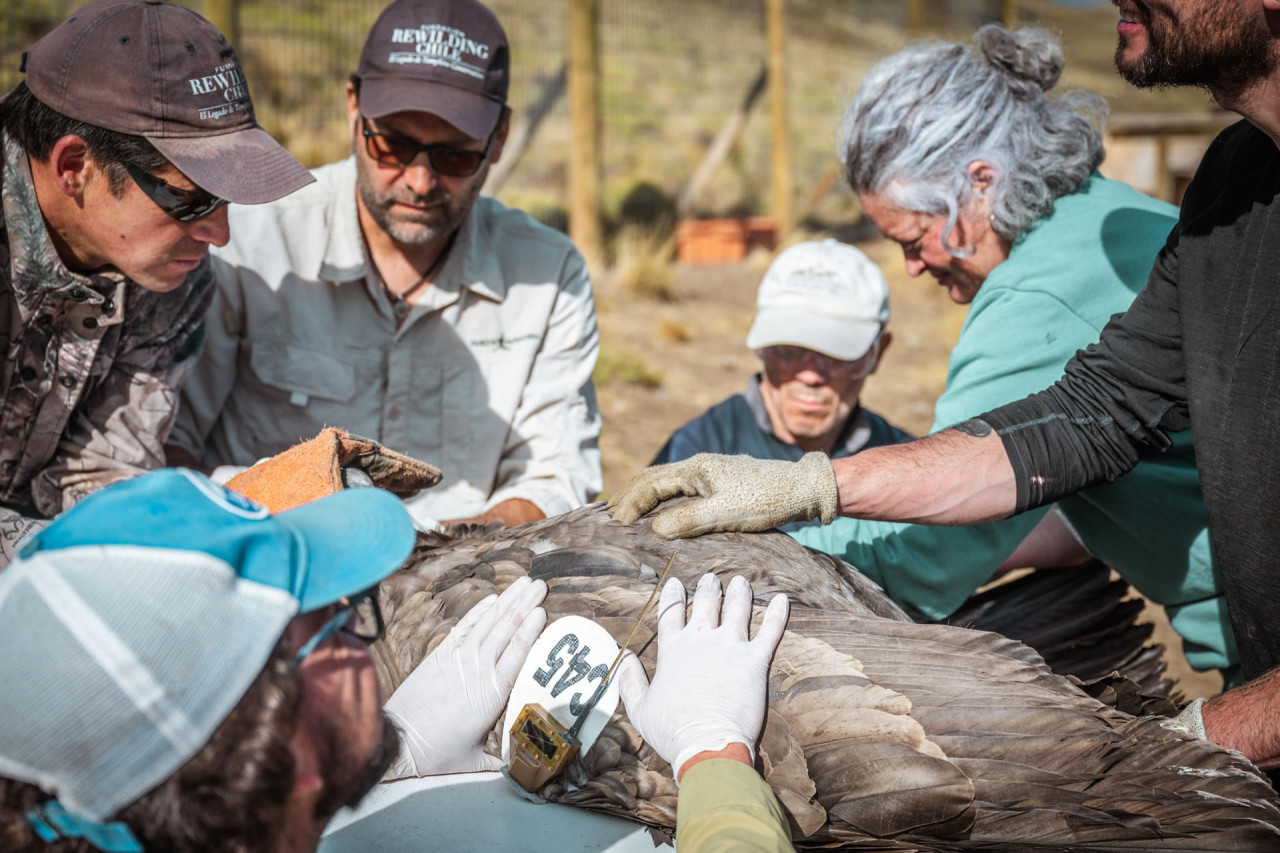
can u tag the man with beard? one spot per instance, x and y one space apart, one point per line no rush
391 300
1198 349
198 680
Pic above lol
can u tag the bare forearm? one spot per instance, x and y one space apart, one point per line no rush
734 752
510 512
1247 719
958 476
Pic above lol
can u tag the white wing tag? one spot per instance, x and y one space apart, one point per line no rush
563 671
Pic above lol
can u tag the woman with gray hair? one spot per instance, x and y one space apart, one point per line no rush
944 129
958 154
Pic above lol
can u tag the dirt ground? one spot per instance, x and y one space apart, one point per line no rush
666 361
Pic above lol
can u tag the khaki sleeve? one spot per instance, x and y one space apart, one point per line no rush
725 806
552 452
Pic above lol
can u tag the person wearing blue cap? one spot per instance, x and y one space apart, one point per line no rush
184 669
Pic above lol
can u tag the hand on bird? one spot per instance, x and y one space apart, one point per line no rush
738 493
710 684
446 707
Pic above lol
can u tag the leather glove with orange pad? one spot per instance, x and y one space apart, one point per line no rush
315 468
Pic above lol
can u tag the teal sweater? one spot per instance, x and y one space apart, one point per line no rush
1061 283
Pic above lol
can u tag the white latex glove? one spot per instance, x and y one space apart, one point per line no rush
446 707
709 687
731 493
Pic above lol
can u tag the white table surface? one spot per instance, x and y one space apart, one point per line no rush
475 812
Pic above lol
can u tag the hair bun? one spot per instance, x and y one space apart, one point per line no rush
1030 55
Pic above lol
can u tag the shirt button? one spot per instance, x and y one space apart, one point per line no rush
67 381
108 307
44 319
27 373
90 323
79 294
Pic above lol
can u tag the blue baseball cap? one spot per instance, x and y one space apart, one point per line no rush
136 621
319 552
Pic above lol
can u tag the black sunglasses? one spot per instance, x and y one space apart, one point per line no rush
182 205
359 616
445 160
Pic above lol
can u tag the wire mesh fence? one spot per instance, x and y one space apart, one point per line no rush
673 74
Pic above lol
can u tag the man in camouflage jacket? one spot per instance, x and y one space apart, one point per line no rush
132 130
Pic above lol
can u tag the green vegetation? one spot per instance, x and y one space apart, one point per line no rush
624 366
643 262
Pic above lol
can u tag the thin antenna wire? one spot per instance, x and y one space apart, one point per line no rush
572 735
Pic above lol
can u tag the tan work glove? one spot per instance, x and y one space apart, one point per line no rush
737 493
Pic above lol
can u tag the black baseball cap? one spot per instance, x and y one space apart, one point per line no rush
449 58
160 71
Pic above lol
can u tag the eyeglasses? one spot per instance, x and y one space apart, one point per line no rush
359 617
182 205
445 160
794 358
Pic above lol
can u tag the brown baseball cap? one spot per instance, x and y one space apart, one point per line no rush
159 70
449 58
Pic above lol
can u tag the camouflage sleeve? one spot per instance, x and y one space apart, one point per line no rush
14 527
119 428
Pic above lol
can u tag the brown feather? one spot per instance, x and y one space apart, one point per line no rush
883 734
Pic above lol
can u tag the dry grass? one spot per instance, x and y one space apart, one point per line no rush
643 262
624 366
674 331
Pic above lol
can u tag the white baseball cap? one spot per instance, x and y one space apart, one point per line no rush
825 296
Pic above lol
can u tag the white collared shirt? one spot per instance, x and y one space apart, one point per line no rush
488 377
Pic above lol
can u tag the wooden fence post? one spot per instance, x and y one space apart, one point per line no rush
225 15
584 122
916 16
1009 14
780 118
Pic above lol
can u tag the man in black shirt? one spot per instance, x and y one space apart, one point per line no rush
1199 349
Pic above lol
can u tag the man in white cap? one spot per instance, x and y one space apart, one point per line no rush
391 300
820 333
131 131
